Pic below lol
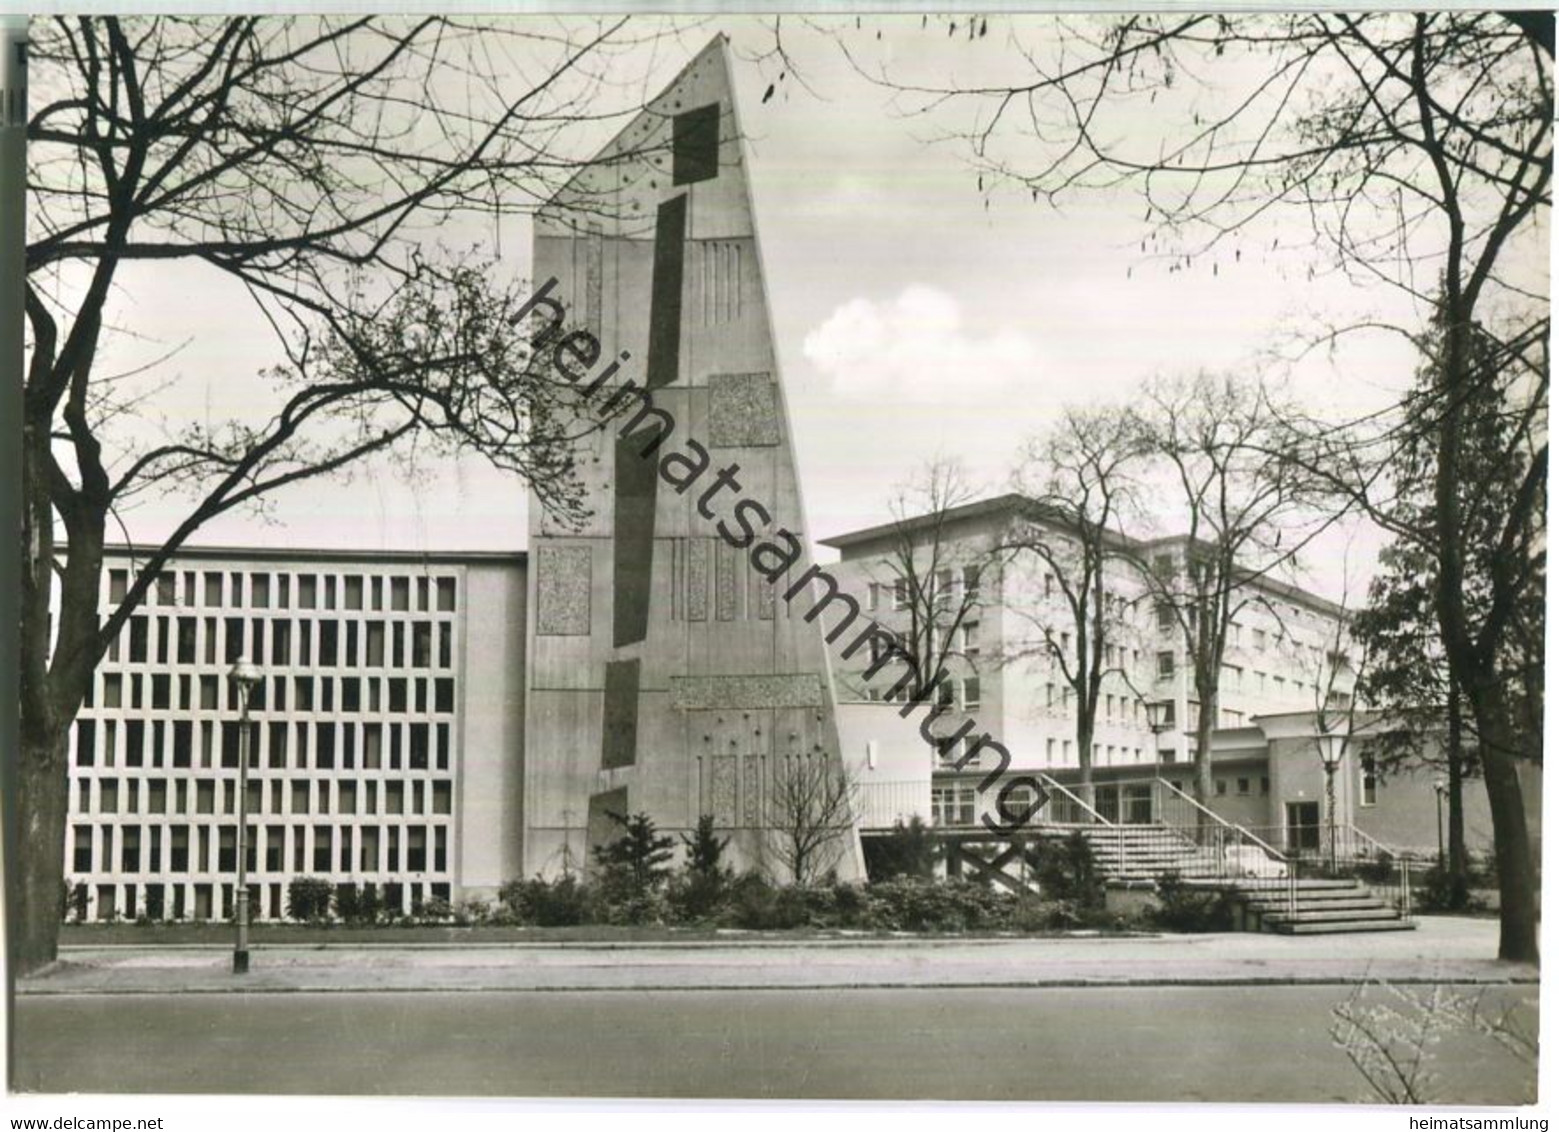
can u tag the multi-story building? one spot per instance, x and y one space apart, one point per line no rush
1286 651
386 731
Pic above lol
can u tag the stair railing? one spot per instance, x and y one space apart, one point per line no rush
1225 834
1240 832
1074 799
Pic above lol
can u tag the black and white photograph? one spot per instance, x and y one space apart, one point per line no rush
801 559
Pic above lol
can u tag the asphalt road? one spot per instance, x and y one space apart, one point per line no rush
1106 1044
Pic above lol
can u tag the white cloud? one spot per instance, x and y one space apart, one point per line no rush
916 348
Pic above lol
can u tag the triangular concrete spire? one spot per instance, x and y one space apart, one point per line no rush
667 674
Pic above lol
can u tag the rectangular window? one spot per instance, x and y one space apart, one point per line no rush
1242 786
86 742
1166 665
165 584
400 595
327 642
971 580
971 639
138 640
971 692
446 595
325 746
1368 780
81 857
308 591
260 591
118 585
445 645
375 657
276 746
353 588
281 641
213 586
234 630
421 645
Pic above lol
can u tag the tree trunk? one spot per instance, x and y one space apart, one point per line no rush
1512 850
1456 834
1084 763
37 891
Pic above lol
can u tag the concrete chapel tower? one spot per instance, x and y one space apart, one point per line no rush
666 674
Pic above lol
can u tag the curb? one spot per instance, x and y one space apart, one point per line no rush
1079 982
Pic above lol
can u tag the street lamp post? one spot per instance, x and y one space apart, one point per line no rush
1333 747
1440 791
244 676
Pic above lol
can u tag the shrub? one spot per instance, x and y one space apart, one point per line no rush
1184 909
357 905
749 903
1066 872
908 851
564 902
917 905
472 910
1440 891
308 899
435 910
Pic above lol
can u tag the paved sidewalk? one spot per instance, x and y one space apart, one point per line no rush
1443 949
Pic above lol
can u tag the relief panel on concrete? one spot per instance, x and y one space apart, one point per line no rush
742 411
563 591
714 693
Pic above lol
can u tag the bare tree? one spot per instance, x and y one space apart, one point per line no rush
811 815
304 163
932 578
1081 481
1241 500
1418 148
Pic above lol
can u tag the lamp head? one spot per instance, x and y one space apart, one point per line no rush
1155 710
244 674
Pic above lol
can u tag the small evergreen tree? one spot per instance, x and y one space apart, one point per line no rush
705 878
632 868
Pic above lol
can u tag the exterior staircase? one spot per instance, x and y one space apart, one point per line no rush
1320 907
1266 901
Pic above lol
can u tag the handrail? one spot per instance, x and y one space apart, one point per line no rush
1226 824
1375 843
1056 785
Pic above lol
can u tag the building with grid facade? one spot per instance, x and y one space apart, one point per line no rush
385 744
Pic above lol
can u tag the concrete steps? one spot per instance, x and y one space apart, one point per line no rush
1134 855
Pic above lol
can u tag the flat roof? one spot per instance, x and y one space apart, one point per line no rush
323 554
1010 502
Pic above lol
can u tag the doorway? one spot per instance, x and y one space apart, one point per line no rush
1303 827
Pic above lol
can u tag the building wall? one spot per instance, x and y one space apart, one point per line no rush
372 671
492 731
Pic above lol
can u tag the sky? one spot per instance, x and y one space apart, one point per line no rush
915 315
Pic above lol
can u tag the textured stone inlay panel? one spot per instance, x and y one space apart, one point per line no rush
713 693
593 248
698 579
563 591
743 411
752 792
722 790
725 582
